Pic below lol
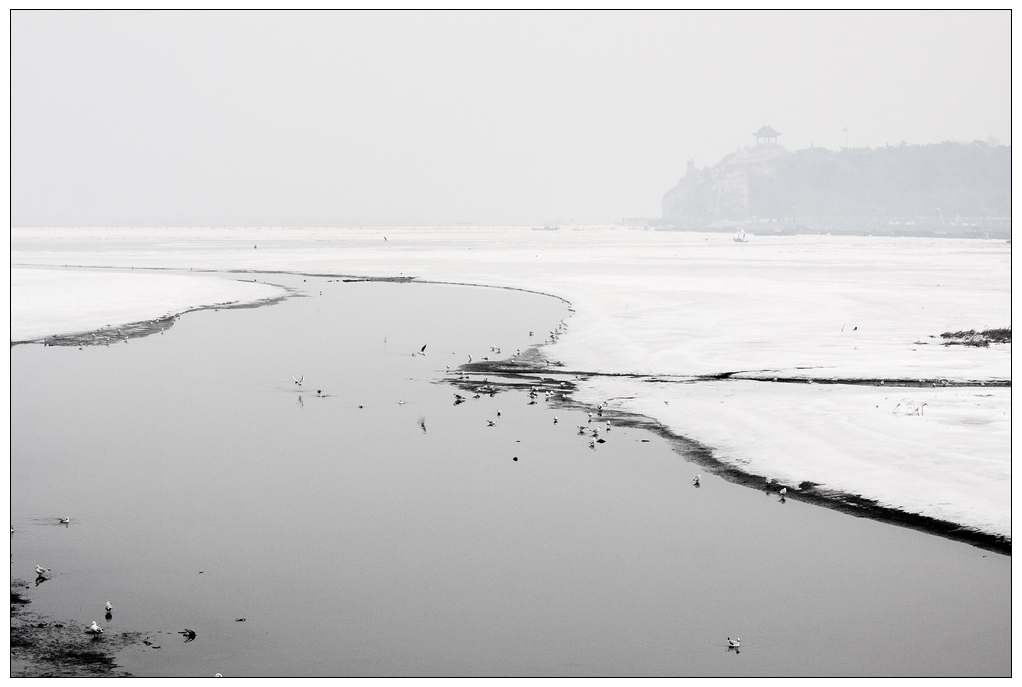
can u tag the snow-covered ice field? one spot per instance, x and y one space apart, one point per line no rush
660 307
45 302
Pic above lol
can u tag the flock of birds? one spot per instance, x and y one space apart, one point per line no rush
43 574
583 430
587 429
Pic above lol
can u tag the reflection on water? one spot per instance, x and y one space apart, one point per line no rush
369 522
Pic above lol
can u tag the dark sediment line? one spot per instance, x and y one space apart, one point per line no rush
536 364
135 330
810 492
549 377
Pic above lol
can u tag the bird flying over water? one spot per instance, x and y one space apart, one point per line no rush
734 643
422 351
298 380
65 521
189 635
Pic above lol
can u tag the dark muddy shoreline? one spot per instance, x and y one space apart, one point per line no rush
44 647
535 372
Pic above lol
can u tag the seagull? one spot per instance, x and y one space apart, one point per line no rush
95 629
298 380
491 423
422 351
695 482
555 419
109 607
734 643
784 490
189 635
40 571
65 521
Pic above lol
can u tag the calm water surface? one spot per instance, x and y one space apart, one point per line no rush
401 538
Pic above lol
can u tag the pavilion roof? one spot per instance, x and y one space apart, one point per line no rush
766 131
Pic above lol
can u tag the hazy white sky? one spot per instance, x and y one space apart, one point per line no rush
338 118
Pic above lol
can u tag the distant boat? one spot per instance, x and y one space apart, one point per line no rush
740 237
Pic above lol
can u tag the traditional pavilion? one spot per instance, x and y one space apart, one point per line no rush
766 135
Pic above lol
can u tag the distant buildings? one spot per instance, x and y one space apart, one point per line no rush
767 135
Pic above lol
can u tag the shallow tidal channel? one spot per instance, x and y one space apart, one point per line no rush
365 524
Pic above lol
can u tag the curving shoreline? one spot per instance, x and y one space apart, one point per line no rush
537 371
701 453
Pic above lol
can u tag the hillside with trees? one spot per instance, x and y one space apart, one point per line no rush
952 189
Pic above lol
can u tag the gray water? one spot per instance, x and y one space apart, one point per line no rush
404 539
